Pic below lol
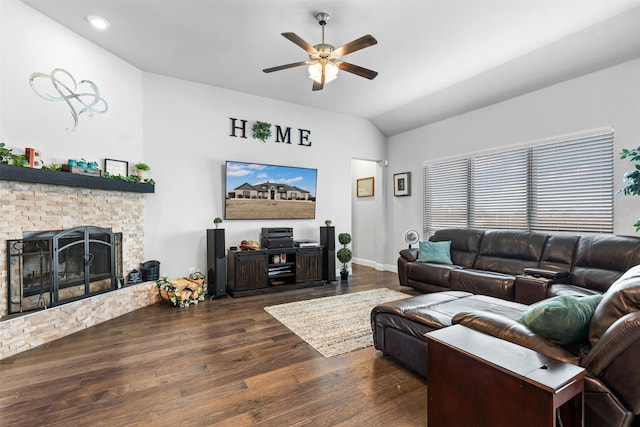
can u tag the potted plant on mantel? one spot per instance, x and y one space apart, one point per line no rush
140 169
344 254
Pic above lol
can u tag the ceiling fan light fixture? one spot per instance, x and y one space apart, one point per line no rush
330 72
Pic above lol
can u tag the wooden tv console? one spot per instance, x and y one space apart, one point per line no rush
252 272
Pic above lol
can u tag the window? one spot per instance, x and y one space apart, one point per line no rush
573 185
565 186
499 184
446 202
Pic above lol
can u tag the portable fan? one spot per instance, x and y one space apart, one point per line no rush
411 237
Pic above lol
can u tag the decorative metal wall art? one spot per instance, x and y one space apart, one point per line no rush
68 91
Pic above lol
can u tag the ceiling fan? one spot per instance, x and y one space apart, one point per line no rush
324 60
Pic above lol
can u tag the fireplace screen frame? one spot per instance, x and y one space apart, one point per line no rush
37 267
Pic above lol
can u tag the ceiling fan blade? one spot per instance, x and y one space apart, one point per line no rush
285 66
319 86
357 44
359 71
300 42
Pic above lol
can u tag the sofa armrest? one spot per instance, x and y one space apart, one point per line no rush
532 286
505 328
547 274
617 339
410 254
530 289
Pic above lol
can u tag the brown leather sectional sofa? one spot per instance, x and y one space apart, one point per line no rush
496 274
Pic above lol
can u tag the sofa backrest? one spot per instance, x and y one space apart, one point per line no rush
510 251
559 251
601 259
465 243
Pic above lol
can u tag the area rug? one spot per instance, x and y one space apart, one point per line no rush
337 324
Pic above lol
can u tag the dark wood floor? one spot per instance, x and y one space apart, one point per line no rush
225 362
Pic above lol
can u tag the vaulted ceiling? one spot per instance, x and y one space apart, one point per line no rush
435 58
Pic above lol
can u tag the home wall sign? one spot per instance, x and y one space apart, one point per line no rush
282 134
60 86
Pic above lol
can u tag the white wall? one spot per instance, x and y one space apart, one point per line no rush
369 215
180 128
30 42
608 98
187 141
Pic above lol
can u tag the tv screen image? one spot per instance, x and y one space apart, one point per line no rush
261 191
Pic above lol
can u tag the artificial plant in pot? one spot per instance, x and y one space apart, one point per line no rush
217 221
344 254
140 169
632 179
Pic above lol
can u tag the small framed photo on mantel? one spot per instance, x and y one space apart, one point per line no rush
116 167
402 184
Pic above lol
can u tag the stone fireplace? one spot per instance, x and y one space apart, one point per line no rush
36 206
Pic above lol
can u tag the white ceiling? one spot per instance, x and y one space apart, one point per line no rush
435 58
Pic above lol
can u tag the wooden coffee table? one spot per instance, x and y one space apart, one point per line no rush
476 379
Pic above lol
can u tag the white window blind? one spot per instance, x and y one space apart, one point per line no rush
446 201
499 190
566 186
573 185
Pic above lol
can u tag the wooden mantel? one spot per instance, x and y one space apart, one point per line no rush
43 176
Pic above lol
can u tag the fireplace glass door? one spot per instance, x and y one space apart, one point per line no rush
51 268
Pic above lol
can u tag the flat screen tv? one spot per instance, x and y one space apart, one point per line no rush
260 191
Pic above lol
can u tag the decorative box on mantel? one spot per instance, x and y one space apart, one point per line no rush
43 176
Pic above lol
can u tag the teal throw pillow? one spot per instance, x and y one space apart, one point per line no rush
436 252
562 319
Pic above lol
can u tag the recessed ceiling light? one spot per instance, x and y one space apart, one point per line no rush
99 22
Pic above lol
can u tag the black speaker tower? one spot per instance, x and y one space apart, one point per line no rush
328 243
216 263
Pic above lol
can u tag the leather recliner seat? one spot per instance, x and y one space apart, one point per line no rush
610 356
496 274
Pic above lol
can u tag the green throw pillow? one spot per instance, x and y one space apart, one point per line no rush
436 252
562 319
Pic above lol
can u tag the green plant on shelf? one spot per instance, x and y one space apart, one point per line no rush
632 178
7 157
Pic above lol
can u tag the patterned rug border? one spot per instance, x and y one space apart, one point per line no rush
335 324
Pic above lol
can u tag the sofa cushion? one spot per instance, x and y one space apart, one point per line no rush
434 277
435 252
562 319
510 251
621 298
483 283
558 252
601 259
561 289
464 243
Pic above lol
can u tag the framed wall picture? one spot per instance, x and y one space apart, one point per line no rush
402 184
116 167
364 187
